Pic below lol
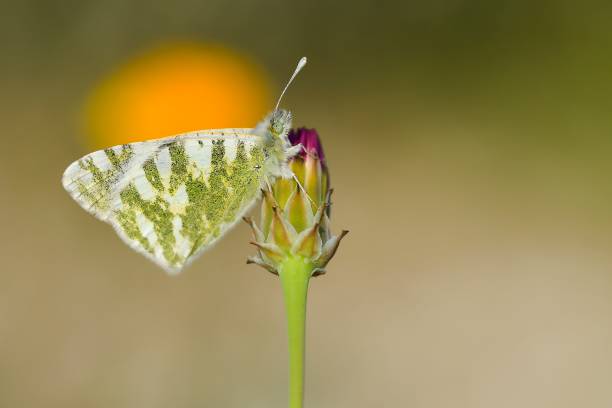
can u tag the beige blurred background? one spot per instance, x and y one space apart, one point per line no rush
469 144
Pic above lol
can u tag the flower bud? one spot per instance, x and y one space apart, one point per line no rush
294 219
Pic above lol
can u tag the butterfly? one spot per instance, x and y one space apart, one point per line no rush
172 198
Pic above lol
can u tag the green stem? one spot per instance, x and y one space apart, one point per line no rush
294 274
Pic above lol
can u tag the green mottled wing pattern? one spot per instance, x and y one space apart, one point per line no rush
171 198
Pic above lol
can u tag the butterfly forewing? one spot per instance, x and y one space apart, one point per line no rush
171 198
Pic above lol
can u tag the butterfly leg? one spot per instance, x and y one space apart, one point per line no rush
267 181
301 187
294 150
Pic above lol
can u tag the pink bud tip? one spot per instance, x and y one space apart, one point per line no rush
309 139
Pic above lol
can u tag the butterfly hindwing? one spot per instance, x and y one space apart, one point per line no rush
171 198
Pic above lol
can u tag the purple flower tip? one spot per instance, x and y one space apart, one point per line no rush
309 138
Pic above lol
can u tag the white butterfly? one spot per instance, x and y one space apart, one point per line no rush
172 198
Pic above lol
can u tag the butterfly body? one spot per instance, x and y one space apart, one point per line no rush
172 198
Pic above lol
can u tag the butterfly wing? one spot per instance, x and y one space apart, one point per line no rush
171 198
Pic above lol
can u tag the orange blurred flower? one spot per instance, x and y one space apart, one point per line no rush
174 89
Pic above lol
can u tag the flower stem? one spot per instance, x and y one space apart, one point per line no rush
295 273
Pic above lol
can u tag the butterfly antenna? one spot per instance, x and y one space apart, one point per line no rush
299 67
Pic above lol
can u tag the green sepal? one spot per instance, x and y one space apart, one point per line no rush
329 249
257 233
266 211
269 251
308 243
282 190
299 210
281 232
258 261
